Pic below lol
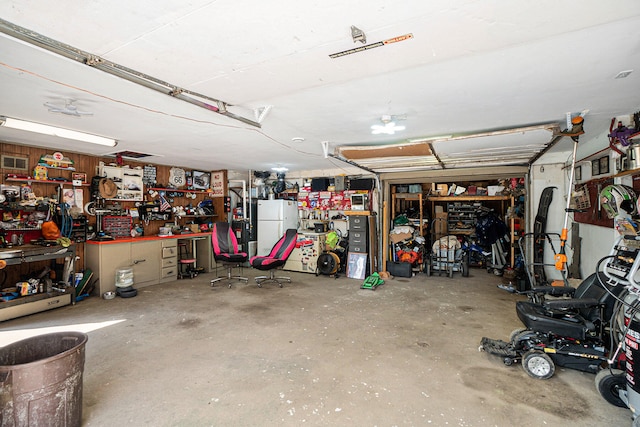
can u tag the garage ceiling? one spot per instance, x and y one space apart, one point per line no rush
507 71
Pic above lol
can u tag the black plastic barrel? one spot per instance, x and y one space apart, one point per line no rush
41 380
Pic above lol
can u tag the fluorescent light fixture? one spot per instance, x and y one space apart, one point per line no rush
280 169
430 138
8 122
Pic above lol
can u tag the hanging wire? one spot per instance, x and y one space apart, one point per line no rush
66 222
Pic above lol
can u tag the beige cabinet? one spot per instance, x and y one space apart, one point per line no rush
169 260
104 260
146 262
152 261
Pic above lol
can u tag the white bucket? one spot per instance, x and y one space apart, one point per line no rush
124 277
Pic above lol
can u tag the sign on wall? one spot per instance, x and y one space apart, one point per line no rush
217 184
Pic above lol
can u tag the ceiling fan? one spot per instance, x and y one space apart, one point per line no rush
388 127
69 109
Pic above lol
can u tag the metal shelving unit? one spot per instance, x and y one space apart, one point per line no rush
460 212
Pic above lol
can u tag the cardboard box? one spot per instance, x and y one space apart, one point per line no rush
399 237
440 224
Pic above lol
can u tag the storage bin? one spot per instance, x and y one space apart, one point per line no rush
399 269
41 380
124 277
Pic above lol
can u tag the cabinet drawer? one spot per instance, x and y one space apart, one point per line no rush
169 262
169 272
358 248
353 244
170 243
357 223
170 252
357 236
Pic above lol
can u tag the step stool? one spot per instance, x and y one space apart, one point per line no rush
187 267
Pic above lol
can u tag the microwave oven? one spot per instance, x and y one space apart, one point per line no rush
358 202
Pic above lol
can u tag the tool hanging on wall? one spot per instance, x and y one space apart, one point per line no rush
576 130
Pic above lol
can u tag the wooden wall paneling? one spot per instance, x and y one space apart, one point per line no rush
89 165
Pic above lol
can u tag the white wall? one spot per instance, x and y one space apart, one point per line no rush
542 176
596 240
596 243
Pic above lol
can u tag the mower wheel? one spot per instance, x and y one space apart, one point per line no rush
609 382
538 365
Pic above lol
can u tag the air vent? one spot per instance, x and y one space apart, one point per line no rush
15 162
132 155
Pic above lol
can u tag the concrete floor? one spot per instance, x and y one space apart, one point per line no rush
319 351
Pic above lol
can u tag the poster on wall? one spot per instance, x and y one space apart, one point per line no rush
74 198
217 184
149 176
201 180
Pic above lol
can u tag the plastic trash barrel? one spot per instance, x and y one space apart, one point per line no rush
41 380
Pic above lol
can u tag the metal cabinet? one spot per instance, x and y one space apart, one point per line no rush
358 235
362 240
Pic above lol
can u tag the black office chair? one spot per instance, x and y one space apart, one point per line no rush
276 258
226 252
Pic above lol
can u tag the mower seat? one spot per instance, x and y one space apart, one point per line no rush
579 317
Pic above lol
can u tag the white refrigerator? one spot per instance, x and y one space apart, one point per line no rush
274 218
